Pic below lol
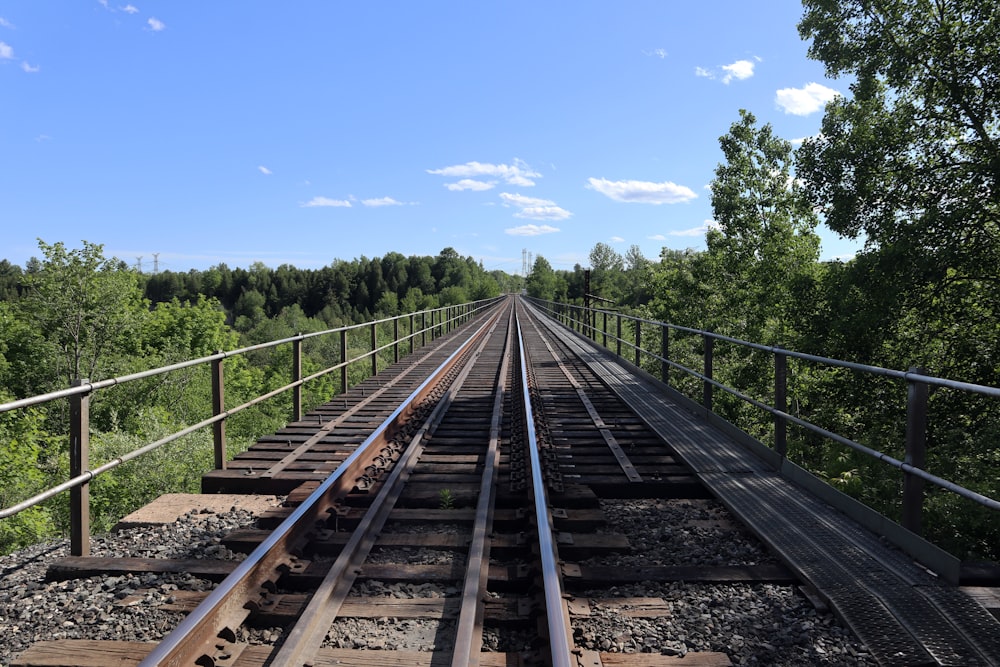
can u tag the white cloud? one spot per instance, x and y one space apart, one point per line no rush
806 100
533 208
5 23
470 184
264 170
543 213
741 69
522 201
326 201
657 237
617 239
383 201
6 51
156 25
518 173
130 9
659 53
643 192
694 231
30 69
531 230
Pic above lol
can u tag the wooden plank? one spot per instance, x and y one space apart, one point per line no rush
77 567
89 653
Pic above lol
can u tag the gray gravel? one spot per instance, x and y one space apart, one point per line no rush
107 607
754 625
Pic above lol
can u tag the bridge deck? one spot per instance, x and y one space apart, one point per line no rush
903 613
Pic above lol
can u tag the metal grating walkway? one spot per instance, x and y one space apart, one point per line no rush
903 614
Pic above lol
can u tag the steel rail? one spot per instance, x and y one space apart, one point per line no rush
555 608
226 605
469 636
303 641
609 439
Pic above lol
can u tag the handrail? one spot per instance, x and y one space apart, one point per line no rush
447 316
916 403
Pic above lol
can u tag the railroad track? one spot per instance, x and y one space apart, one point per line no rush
489 503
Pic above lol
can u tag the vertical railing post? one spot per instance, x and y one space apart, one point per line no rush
780 401
296 376
395 338
412 318
604 329
448 315
638 343
423 328
916 450
343 361
665 353
218 408
374 338
707 389
618 335
79 463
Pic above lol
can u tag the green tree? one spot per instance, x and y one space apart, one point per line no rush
542 282
88 308
765 245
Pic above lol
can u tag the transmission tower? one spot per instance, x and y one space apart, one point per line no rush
156 263
138 263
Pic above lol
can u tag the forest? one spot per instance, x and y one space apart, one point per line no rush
909 162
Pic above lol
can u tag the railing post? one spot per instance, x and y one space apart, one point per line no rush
411 332
709 361
448 314
79 463
780 401
296 376
395 338
665 354
916 451
374 348
343 361
218 407
423 328
604 330
638 343
618 335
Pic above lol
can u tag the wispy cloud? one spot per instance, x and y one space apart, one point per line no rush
533 208
130 9
5 23
806 100
694 231
30 69
659 53
741 69
531 230
617 239
470 184
326 201
383 201
519 173
6 51
642 192
264 170
156 25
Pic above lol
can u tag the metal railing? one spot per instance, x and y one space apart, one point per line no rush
441 321
585 321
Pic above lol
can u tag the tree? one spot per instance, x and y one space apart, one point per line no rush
606 271
911 160
542 283
87 307
765 241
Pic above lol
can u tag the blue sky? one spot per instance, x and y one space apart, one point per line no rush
305 132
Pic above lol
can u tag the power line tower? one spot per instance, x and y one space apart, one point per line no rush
524 262
156 263
138 263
